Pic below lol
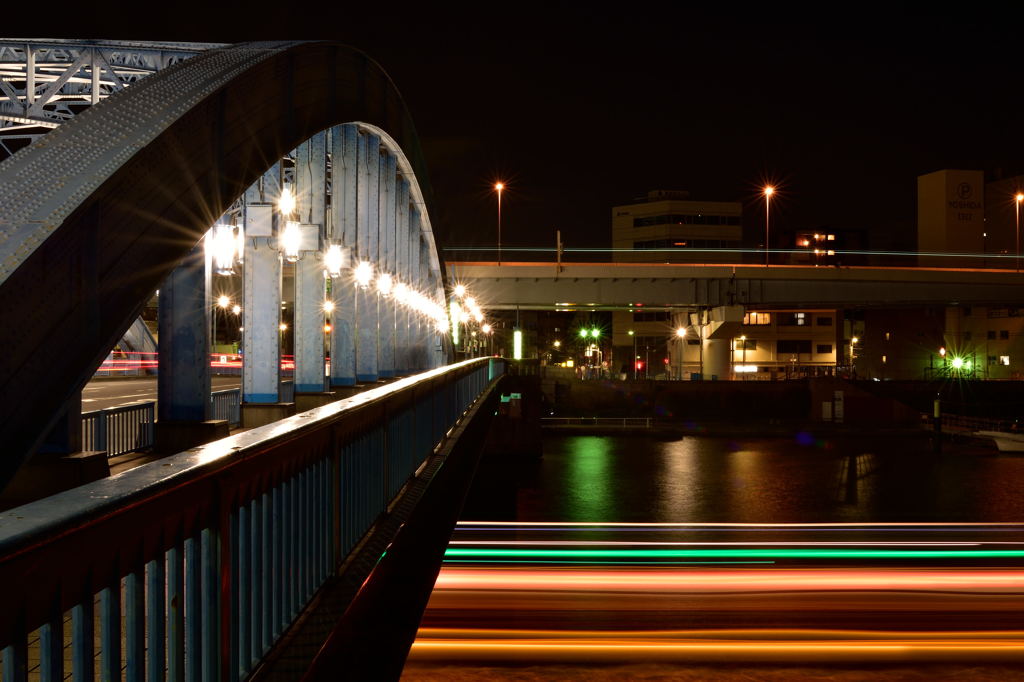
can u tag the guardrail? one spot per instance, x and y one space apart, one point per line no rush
632 422
119 429
204 558
226 405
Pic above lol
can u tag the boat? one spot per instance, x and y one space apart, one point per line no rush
1005 441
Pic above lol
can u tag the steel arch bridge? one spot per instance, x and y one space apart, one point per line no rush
96 214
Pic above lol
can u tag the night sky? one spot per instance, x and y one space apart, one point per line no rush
579 110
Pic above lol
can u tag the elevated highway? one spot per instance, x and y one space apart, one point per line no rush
548 286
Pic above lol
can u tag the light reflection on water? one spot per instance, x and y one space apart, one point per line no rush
473 633
764 480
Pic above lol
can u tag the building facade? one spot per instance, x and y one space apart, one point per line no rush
668 227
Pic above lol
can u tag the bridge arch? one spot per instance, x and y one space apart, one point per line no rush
94 215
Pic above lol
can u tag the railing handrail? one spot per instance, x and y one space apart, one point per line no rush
127 521
111 493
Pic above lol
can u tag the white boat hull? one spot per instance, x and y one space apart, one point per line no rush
1006 442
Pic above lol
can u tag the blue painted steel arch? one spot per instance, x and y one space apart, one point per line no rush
123 192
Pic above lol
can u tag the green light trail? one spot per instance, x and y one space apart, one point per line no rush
801 553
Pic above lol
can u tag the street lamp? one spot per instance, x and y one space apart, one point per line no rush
633 334
1019 198
498 187
768 192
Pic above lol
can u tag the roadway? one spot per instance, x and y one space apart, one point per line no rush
104 393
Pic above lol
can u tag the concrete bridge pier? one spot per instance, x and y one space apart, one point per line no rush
716 359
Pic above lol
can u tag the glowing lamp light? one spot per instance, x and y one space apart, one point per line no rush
478 316
286 202
328 306
470 302
401 293
517 345
769 190
681 332
486 329
334 260
363 274
460 290
224 248
283 327
583 333
223 301
595 333
744 368
291 238
958 363
942 351
327 329
385 283
1019 198
237 309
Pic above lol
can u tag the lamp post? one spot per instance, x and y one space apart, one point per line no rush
768 192
498 187
633 335
1019 198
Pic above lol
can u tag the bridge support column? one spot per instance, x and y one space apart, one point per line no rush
386 212
368 218
183 382
402 247
344 148
716 359
311 199
261 306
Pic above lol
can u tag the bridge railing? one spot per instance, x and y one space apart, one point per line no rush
227 405
119 430
204 558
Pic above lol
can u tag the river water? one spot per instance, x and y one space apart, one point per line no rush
509 619
802 479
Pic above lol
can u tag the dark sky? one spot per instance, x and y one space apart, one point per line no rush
578 110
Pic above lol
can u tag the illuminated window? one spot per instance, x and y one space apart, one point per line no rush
751 319
888 336
1004 360
792 319
885 359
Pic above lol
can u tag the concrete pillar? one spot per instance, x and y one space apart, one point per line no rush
183 320
308 331
261 297
387 211
716 359
367 224
344 149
